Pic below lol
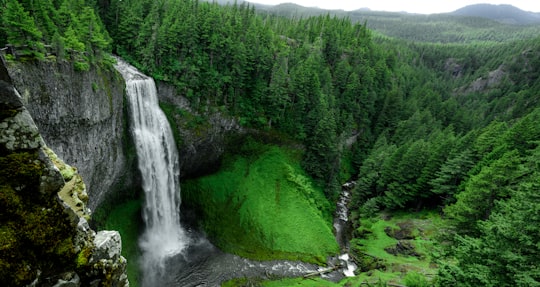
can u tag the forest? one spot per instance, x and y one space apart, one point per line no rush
420 119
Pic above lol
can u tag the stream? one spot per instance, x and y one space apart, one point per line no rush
202 264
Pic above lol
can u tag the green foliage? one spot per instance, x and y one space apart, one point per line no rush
21 30
65 29
504 249
268 72
33 223
436 123
414 279
435 28
492 183
311 282
263 194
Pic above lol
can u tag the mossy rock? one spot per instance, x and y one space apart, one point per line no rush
34 224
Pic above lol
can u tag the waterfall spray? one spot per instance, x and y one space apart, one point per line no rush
159 167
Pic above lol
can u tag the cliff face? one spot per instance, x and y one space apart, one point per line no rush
201 137
81 116
45 239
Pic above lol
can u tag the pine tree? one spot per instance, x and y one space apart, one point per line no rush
21 30
506 251
494 182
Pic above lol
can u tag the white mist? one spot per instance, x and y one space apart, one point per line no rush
159 167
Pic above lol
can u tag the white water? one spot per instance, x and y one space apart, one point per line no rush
341 219
158 163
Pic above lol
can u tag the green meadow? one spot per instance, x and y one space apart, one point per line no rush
262 205
379 267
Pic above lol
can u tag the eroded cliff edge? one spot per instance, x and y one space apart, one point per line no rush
45 239
82 117
202 137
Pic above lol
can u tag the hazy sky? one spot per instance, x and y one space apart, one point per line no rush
411 6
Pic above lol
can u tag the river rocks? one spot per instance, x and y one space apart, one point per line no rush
403 247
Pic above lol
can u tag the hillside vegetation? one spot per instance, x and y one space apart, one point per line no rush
469 25
437 113
262 205
54 29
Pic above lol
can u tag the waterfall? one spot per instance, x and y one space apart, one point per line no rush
159 167
341 226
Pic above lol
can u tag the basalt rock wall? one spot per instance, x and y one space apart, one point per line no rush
202 136
81 116
45 239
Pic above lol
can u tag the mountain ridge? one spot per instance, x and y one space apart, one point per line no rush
504 13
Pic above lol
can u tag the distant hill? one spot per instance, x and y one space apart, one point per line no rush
502 13
434 28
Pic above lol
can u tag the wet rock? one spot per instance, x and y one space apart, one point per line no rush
405 230
403 247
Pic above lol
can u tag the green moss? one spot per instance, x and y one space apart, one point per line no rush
423 228
311 282
262 205
34 225
66 170
84 257
172 112
22 168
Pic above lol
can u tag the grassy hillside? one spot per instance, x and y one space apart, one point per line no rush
398 249
262 205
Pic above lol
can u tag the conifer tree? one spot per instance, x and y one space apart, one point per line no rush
21 30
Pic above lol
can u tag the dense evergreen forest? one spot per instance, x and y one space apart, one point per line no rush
62 30
448 125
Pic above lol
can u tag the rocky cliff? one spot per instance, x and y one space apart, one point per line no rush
81 116
201 136
45 239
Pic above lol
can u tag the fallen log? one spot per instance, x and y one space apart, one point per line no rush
323 271
387 284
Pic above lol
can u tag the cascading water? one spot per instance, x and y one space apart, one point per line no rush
341 224
169 256
159 166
